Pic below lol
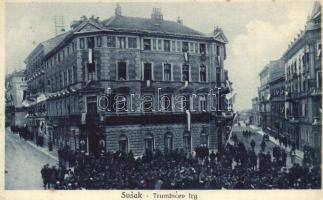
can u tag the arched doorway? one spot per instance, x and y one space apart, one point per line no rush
149 142
168 141
123 143
94 136
204 139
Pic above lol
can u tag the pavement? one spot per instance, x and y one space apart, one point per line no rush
23 162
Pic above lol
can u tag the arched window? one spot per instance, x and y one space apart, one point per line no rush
123 143
187 141
168 141
204 139
149 142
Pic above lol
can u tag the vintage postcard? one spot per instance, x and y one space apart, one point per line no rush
162 100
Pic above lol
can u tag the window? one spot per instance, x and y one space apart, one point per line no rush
196 47
90 42
65 79
91 71
185 47
121 42
319 50
91 104
132 42
179 46
202 103
149 142
168 141
111 41
147 71
187 141
217 50
99 41
167 72
82 44
68 50
185 73
122 71
319 79
154 44
166 45
123 143
160 45
191 47
202 49
173 45
73 46
74 74
69 72
166 102
147 44
203 73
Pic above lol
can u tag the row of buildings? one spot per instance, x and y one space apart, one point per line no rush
83 86
289 97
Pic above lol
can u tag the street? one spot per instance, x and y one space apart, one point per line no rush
237 130
23 163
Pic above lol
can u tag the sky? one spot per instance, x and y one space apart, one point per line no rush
258 31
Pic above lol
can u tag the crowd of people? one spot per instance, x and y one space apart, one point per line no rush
235 167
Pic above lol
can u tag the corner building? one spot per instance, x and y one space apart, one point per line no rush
119 59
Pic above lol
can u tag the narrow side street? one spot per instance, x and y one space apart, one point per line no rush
23 163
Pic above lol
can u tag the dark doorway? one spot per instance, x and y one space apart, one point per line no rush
95 136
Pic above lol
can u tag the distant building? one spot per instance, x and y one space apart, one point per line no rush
255 114
303 85
108 62
264 98
277 98
16 88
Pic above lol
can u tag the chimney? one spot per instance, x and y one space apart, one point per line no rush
156 14
118 10
179 20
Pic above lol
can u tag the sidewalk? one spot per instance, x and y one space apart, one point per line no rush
52 154
299 154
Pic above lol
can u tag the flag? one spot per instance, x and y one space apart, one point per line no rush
186 57
90 56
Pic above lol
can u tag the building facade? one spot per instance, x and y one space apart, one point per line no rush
129 83
277 99
303 84
264 97
255 120
16 87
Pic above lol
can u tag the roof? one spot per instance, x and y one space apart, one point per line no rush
145 24
50 44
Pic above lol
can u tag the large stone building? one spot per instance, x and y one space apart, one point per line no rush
129 83
16 87
303 83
